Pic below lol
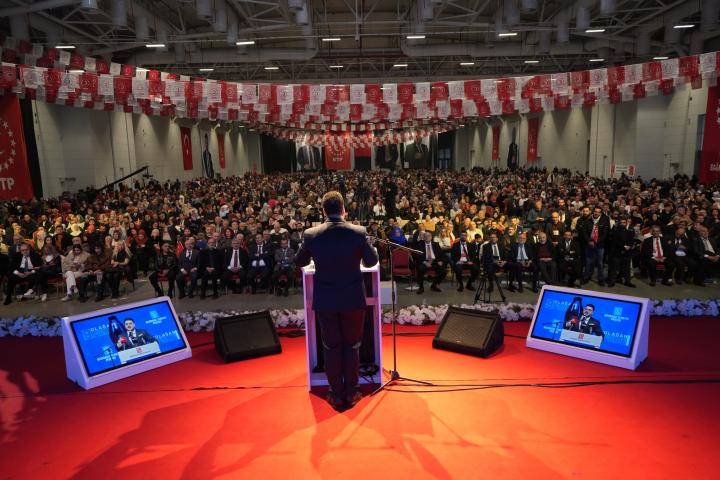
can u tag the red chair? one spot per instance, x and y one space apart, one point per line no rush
401 264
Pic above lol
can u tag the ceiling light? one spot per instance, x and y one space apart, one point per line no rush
251 129
532 61
660 57
597 60
507 34
141 69
272 68
155 45
400 65
415 37
65 47
684 25
335 66
331 39
595 30
467 64
245 42
206 69
76 71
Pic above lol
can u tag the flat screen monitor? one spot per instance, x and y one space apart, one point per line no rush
592 325
113 343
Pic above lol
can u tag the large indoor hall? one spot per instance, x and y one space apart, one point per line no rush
408 239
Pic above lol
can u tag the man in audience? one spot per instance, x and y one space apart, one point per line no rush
545 260
236 266
463 256
594 232
210 261
260 263
569 262
284 267
683 255
520 259
620 247
708 254
23 269
655 251
494 258
188 269
433 260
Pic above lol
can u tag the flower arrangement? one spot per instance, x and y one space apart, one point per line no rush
33 326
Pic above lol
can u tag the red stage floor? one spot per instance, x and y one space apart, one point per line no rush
255 419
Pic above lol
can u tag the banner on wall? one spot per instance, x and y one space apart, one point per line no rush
533 125
221 149
496 143
710 159
186 145
14 171
337 157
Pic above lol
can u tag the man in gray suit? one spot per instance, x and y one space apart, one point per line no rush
338 247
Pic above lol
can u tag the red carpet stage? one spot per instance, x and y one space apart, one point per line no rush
254 419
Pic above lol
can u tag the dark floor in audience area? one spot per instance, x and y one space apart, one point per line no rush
245 301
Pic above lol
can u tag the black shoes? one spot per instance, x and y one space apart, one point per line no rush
435 288
420 291
629 284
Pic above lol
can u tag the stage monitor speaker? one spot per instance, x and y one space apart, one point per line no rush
246 336
470 331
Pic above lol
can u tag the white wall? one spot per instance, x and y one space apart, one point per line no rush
79 147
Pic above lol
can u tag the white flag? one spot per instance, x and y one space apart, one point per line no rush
105 85
389 93
422 92
708 62
456 90
317 94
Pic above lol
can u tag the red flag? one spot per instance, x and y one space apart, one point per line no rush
89 83
337 157
186 145
9 76
710 159
14 171
128 70
473 89
667 86
405 93
221 149
373 93
439 91
77 61
533 127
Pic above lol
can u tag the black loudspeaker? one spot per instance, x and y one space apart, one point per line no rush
470 331
246 336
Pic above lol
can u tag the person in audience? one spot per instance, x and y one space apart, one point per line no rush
236 266
118 269
97 263
166 265
260 263
284 267
569 261
494 258
683 254
211 265
655 250
188 269
23 270
73 267
50 267
545 255
621 243
708 255
521 258
594 232
432 260
463 256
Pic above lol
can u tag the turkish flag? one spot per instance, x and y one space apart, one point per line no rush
14 172
186 145
221 148
710 158
495 144
533 127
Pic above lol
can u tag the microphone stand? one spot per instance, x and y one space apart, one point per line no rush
394 374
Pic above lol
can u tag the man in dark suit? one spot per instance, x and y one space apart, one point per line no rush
545 254
522 258
308 158
133 337
261 254
494 258
463 256
593 234
708 256
210 261
337 248
683 254
165 266
284 266
207 165
569 264
586 323
512 158
23 269
417 154
620 249
433 258
235 266
655 251
188 268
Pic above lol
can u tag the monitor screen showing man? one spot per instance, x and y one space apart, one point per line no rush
586 321
108 342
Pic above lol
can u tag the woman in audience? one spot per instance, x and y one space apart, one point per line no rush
50 267
73 266
119 267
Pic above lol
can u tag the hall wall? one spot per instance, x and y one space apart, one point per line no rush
78 148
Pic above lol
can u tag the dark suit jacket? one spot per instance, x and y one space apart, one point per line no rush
471 252
337 247
619 238
536 252
438 252
284 260
16 261
142 338
211 258
647 248
487 253
513 253
308 158
585 230
243 258
573 253
188 263
421 151
512 158
700 247
592 327
266 256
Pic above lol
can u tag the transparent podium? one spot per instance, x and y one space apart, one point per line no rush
371 347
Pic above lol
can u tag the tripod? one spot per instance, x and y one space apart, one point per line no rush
484 289
394 374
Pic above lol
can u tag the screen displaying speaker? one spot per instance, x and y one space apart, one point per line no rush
470 331
596 326
246 336
109 344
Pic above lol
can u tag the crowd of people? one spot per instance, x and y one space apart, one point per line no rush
241 233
